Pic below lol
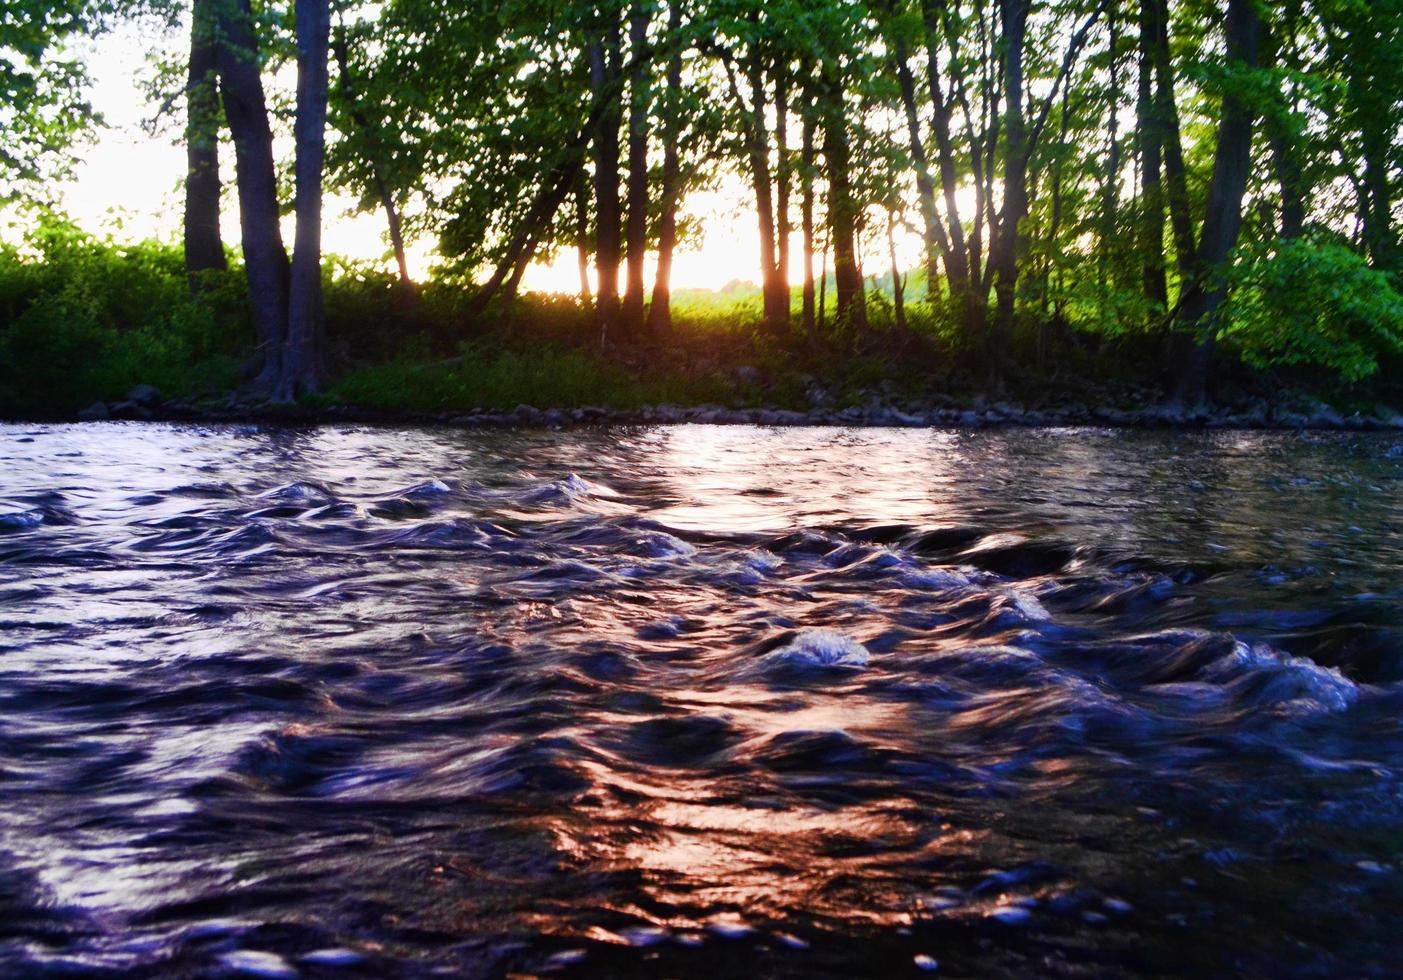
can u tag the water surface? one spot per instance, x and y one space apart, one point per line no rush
699 701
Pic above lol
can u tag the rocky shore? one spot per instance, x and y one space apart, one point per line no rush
145 403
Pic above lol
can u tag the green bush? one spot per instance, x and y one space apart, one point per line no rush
82 320
1316 303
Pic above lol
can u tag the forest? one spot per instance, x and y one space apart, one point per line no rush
1199 198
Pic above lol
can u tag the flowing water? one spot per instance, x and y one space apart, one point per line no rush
699 701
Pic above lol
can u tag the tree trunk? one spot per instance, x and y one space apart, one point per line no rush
306 323
604 66
958 266
582 238
783 168
660 310
1110 192
265 259
1150 134
521 249
631 315
806 209
1222 218
1281 138
851 307
937 242
1372 113
898 288
1166 111
204 248
1004 260
757 140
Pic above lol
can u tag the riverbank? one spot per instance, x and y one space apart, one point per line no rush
98 331
145 403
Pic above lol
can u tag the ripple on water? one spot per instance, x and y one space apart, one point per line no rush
415 702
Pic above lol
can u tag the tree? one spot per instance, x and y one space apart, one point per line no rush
204 246
1206 286
303 360
265 259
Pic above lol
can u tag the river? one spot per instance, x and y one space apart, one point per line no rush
699 701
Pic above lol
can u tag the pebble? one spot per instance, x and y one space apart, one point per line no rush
791 940
1372 867
1118 905
924 962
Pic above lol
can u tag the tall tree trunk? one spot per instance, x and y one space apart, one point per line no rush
581 193
898 287
851 307
783 176
565 176
1368 33
377 175
937 242
806 207
757 141
1166 111
1222 218
303 363
1150 134
204 248
604 54
246 110
1004 260
631 316
1282 137
660 310
958 265
1110 191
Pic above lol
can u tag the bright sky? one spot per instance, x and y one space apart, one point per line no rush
130 183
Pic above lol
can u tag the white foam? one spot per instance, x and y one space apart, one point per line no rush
822 648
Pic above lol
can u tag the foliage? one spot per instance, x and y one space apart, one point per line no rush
1307 302
83 319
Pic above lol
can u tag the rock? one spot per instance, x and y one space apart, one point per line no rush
96 412
1388 417
144 395
128 410
1324 417
747 375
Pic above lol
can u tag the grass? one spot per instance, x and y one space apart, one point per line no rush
501 380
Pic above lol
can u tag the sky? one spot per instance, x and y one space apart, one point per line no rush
128 183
